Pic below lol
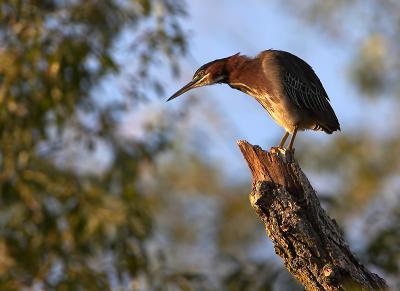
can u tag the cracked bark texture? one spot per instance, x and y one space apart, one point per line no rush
310 243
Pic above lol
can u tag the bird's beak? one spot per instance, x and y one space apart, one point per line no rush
192 84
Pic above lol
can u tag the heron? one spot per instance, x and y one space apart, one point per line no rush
284 84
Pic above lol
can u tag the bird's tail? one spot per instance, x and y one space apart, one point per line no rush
329 125
327 129
327 121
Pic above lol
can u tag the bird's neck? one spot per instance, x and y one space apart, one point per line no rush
240 73
234 66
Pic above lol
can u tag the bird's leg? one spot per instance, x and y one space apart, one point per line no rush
293 137
283 140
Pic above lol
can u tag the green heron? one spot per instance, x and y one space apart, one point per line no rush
285 85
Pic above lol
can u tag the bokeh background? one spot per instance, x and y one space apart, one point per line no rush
103 185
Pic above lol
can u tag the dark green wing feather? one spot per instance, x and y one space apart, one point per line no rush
304 89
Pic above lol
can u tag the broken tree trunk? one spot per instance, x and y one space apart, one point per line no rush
308 240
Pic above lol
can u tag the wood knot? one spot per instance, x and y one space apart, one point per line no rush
328 270
263 195
331 274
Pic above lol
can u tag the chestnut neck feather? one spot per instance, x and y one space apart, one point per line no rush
234 68
243 73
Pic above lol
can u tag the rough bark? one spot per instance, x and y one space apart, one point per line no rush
310 243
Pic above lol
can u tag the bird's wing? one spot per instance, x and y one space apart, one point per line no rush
299 80
305 94
302 85
304 88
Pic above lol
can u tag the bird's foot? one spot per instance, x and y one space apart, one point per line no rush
282 151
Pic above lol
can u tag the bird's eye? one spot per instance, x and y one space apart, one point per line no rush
199 74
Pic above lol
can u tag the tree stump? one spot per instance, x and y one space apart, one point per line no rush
310 243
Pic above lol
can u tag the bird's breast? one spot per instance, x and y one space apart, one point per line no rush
273 103
281 112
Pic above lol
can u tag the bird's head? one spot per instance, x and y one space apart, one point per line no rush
211 73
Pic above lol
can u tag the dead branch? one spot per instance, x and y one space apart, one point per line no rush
304 236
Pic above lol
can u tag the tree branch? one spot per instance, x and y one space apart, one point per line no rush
308 240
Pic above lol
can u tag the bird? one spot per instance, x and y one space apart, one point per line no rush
284 84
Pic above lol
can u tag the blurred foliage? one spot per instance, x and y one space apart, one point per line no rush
363 164
369 66
62 228
197 180
386 241
212 230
